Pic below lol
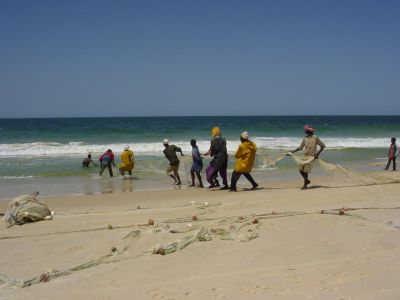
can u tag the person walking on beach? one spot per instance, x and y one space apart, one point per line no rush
392 154
197 164
309 144
219 160
245 156
87 161
170 154
106 159
127 163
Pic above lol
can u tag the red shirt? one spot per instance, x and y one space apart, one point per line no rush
108 155
392 150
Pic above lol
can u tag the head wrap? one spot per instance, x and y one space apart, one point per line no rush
126 148
166 142
244 135
308 128
215 132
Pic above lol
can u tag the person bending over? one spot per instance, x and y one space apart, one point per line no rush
106 159
127 162
87 161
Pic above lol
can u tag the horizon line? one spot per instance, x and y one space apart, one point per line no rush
204 116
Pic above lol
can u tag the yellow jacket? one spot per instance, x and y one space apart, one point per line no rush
127 163
245 156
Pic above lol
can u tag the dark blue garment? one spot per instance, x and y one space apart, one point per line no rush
197 160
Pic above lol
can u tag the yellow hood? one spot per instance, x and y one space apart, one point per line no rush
245 156
215 132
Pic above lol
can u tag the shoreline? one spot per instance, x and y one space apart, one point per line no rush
91 183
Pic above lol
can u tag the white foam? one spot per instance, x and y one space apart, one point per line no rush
16 177
156 148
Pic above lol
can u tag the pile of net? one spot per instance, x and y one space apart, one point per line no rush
26 209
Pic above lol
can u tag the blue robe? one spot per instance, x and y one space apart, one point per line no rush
197 164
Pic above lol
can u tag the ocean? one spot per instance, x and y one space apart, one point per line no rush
45 154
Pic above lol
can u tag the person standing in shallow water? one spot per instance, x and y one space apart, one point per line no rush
219 160
170 154
309 144
245 156
106 159
87 161
392 154
197 164
127 163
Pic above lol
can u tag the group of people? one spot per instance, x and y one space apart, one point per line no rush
245 157
244 160
107 161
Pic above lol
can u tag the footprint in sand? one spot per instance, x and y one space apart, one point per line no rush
217 293
257 290
160 294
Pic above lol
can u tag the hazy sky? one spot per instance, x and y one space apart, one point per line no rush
141 58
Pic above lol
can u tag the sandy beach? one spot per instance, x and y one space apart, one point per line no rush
272 243
107 105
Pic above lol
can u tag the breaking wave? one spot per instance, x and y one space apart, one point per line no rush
155 148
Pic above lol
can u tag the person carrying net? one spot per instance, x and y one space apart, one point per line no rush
309 144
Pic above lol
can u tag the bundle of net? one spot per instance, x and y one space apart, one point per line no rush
26 209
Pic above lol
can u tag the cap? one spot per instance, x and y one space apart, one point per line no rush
308 128
244 135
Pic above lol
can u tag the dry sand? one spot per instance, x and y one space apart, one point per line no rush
299 253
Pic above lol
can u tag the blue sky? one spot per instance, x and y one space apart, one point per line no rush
164 58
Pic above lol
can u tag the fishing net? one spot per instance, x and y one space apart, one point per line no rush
344 173
206 233
338 171
26 209
160 165
358 178
267 161
186 164
232 228
114 256
156 165
127 251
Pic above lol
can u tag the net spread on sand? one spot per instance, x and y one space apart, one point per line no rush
197 233
234 228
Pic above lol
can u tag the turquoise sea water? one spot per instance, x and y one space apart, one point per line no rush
46 154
